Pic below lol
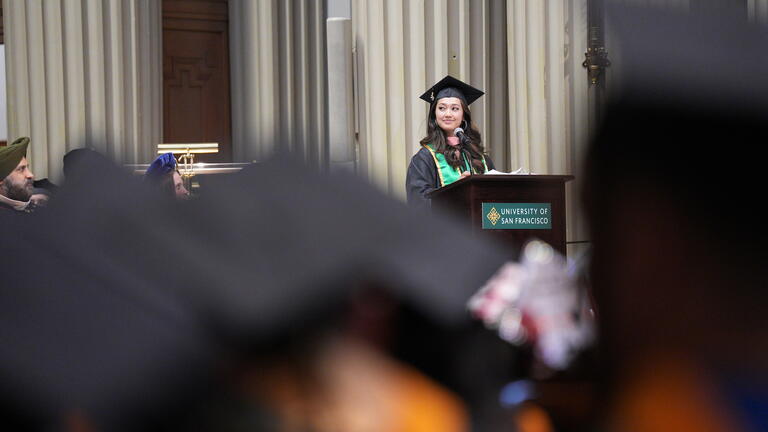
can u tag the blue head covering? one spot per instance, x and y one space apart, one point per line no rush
161 166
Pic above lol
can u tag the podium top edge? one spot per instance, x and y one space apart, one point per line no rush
514 177
484 178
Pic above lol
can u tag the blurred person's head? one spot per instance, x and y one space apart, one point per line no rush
17 178
74 159
672 178
678 257
678 268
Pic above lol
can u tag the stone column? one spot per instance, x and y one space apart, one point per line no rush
278 79
341 125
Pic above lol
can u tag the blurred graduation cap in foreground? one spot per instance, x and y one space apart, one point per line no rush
678 271
116 302
687 104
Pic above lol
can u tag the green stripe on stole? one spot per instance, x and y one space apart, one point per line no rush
447 173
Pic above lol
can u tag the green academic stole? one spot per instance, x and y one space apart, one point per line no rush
447 173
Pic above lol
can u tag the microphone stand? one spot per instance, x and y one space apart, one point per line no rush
466 153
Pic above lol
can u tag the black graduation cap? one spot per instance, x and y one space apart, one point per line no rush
119 312
451 87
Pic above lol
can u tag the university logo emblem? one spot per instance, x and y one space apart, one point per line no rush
493 216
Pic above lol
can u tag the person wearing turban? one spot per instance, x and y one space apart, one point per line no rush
16 186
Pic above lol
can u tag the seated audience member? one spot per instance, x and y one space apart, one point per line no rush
162 172
17 190
42 190
73 159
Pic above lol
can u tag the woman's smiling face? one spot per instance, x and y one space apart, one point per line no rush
449 114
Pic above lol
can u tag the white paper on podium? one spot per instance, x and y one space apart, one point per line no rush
519 171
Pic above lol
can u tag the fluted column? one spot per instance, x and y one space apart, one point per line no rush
84 73
253 47
577 122
400 46
758 10
341 125
278 79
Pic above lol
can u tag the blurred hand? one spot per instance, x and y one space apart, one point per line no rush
464 174
39 200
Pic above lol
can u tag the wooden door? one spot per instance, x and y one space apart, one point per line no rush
196 94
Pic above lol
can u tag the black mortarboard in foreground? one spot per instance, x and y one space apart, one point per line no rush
451 87
705 87
121 313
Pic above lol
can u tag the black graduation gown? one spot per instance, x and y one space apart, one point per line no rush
422 177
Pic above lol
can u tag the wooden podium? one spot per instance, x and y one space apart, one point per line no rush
513 208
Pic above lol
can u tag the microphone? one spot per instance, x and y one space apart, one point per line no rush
459 132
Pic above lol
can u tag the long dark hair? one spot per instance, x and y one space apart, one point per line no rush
164 183
474 146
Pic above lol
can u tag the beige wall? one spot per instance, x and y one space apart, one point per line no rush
83 71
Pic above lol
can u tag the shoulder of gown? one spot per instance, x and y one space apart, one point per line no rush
421 178
488 162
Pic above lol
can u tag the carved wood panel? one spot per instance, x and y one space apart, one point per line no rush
196 93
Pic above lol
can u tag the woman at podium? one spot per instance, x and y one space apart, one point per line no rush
452 148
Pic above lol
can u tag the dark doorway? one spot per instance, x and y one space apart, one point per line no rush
196 95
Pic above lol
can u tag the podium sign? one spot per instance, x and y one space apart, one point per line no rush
513 208
517 215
